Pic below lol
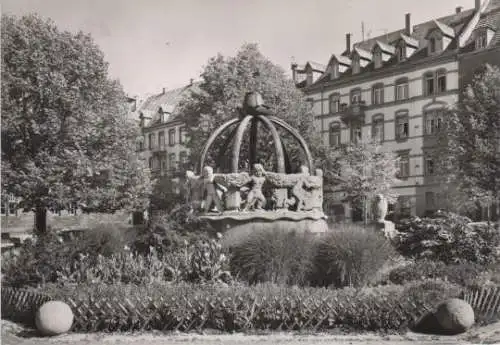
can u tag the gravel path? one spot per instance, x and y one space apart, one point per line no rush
13 334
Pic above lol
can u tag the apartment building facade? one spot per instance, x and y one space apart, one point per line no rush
163 132
396 87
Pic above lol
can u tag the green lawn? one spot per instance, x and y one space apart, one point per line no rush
24 221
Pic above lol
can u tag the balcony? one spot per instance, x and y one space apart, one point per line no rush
353 112
159 148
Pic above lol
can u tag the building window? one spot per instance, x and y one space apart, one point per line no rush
334 103
163 163
355 65
404 206
441 80
433 122
378 127
335 71
404 165
378 94
171 137
171 162
356 132
430 168
183 159
402 127
182 135
432 45
401 89
481 41
377 58
428 83
334 134
161 139
401 53
356 96
151 139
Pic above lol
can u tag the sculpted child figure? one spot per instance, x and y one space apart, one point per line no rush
210 190
194 195
255 198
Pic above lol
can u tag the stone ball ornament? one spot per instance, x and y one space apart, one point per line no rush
455 315
54 318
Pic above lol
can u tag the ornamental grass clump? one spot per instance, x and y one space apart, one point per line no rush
350 256
280 256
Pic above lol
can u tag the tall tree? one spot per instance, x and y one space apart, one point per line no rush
471 144
65 134
366 170
225 81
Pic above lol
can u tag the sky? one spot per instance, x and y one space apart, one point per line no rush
155 44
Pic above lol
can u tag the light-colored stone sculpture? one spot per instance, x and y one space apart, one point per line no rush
379 208
210 187
194 184
255 198
379 212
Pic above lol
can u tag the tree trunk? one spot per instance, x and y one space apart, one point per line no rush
41 220
365 216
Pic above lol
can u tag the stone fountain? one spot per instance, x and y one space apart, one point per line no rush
234 201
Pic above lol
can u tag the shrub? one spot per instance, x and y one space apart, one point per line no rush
105 239
279 256
236 308
464 274
47 257
350 256
448 238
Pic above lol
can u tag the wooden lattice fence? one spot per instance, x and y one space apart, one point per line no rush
20 305
241 314
485 301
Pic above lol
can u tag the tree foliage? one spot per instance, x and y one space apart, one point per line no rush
470 146
365 171
65 134
225 81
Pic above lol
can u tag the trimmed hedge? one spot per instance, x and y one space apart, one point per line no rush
238 308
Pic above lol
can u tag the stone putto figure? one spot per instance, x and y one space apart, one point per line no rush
255 197
194 185
210 188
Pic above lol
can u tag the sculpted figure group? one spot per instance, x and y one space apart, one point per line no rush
212 192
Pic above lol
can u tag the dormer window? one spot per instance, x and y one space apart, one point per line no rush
377 58
334 74
355 65
432 45
401 53
483 37
481 42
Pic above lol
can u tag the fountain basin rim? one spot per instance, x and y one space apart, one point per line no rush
266 215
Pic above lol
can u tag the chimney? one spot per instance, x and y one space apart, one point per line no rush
191 82
294 71
408 24
458 9
163 91
477 5
348 43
